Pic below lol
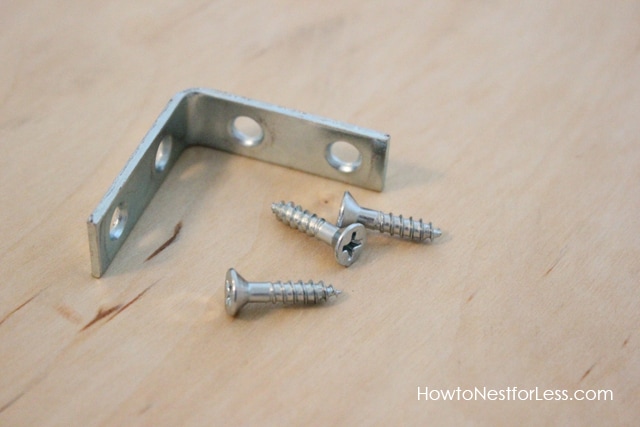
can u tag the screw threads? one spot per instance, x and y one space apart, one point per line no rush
301 293
297 217
406 228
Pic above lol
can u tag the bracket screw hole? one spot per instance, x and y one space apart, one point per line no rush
247 131
118 222
343 156
164 153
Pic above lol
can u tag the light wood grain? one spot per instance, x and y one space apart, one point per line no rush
515 127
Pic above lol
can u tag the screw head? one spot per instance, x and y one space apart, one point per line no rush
349 210
236 290
350 243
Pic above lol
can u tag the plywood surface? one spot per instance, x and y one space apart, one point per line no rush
514 127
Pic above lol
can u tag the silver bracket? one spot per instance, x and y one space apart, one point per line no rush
237 125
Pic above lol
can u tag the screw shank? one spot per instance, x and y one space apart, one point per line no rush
328 233
369 218
260 292
289 292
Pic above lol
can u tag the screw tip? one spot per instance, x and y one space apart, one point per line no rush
435 232
333 292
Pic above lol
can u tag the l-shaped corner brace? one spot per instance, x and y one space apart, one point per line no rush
238 125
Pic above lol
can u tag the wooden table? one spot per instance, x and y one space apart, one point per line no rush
515 127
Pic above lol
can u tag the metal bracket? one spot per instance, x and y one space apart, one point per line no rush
241 126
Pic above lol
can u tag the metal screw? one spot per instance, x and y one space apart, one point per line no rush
347 242
239 292
418 231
